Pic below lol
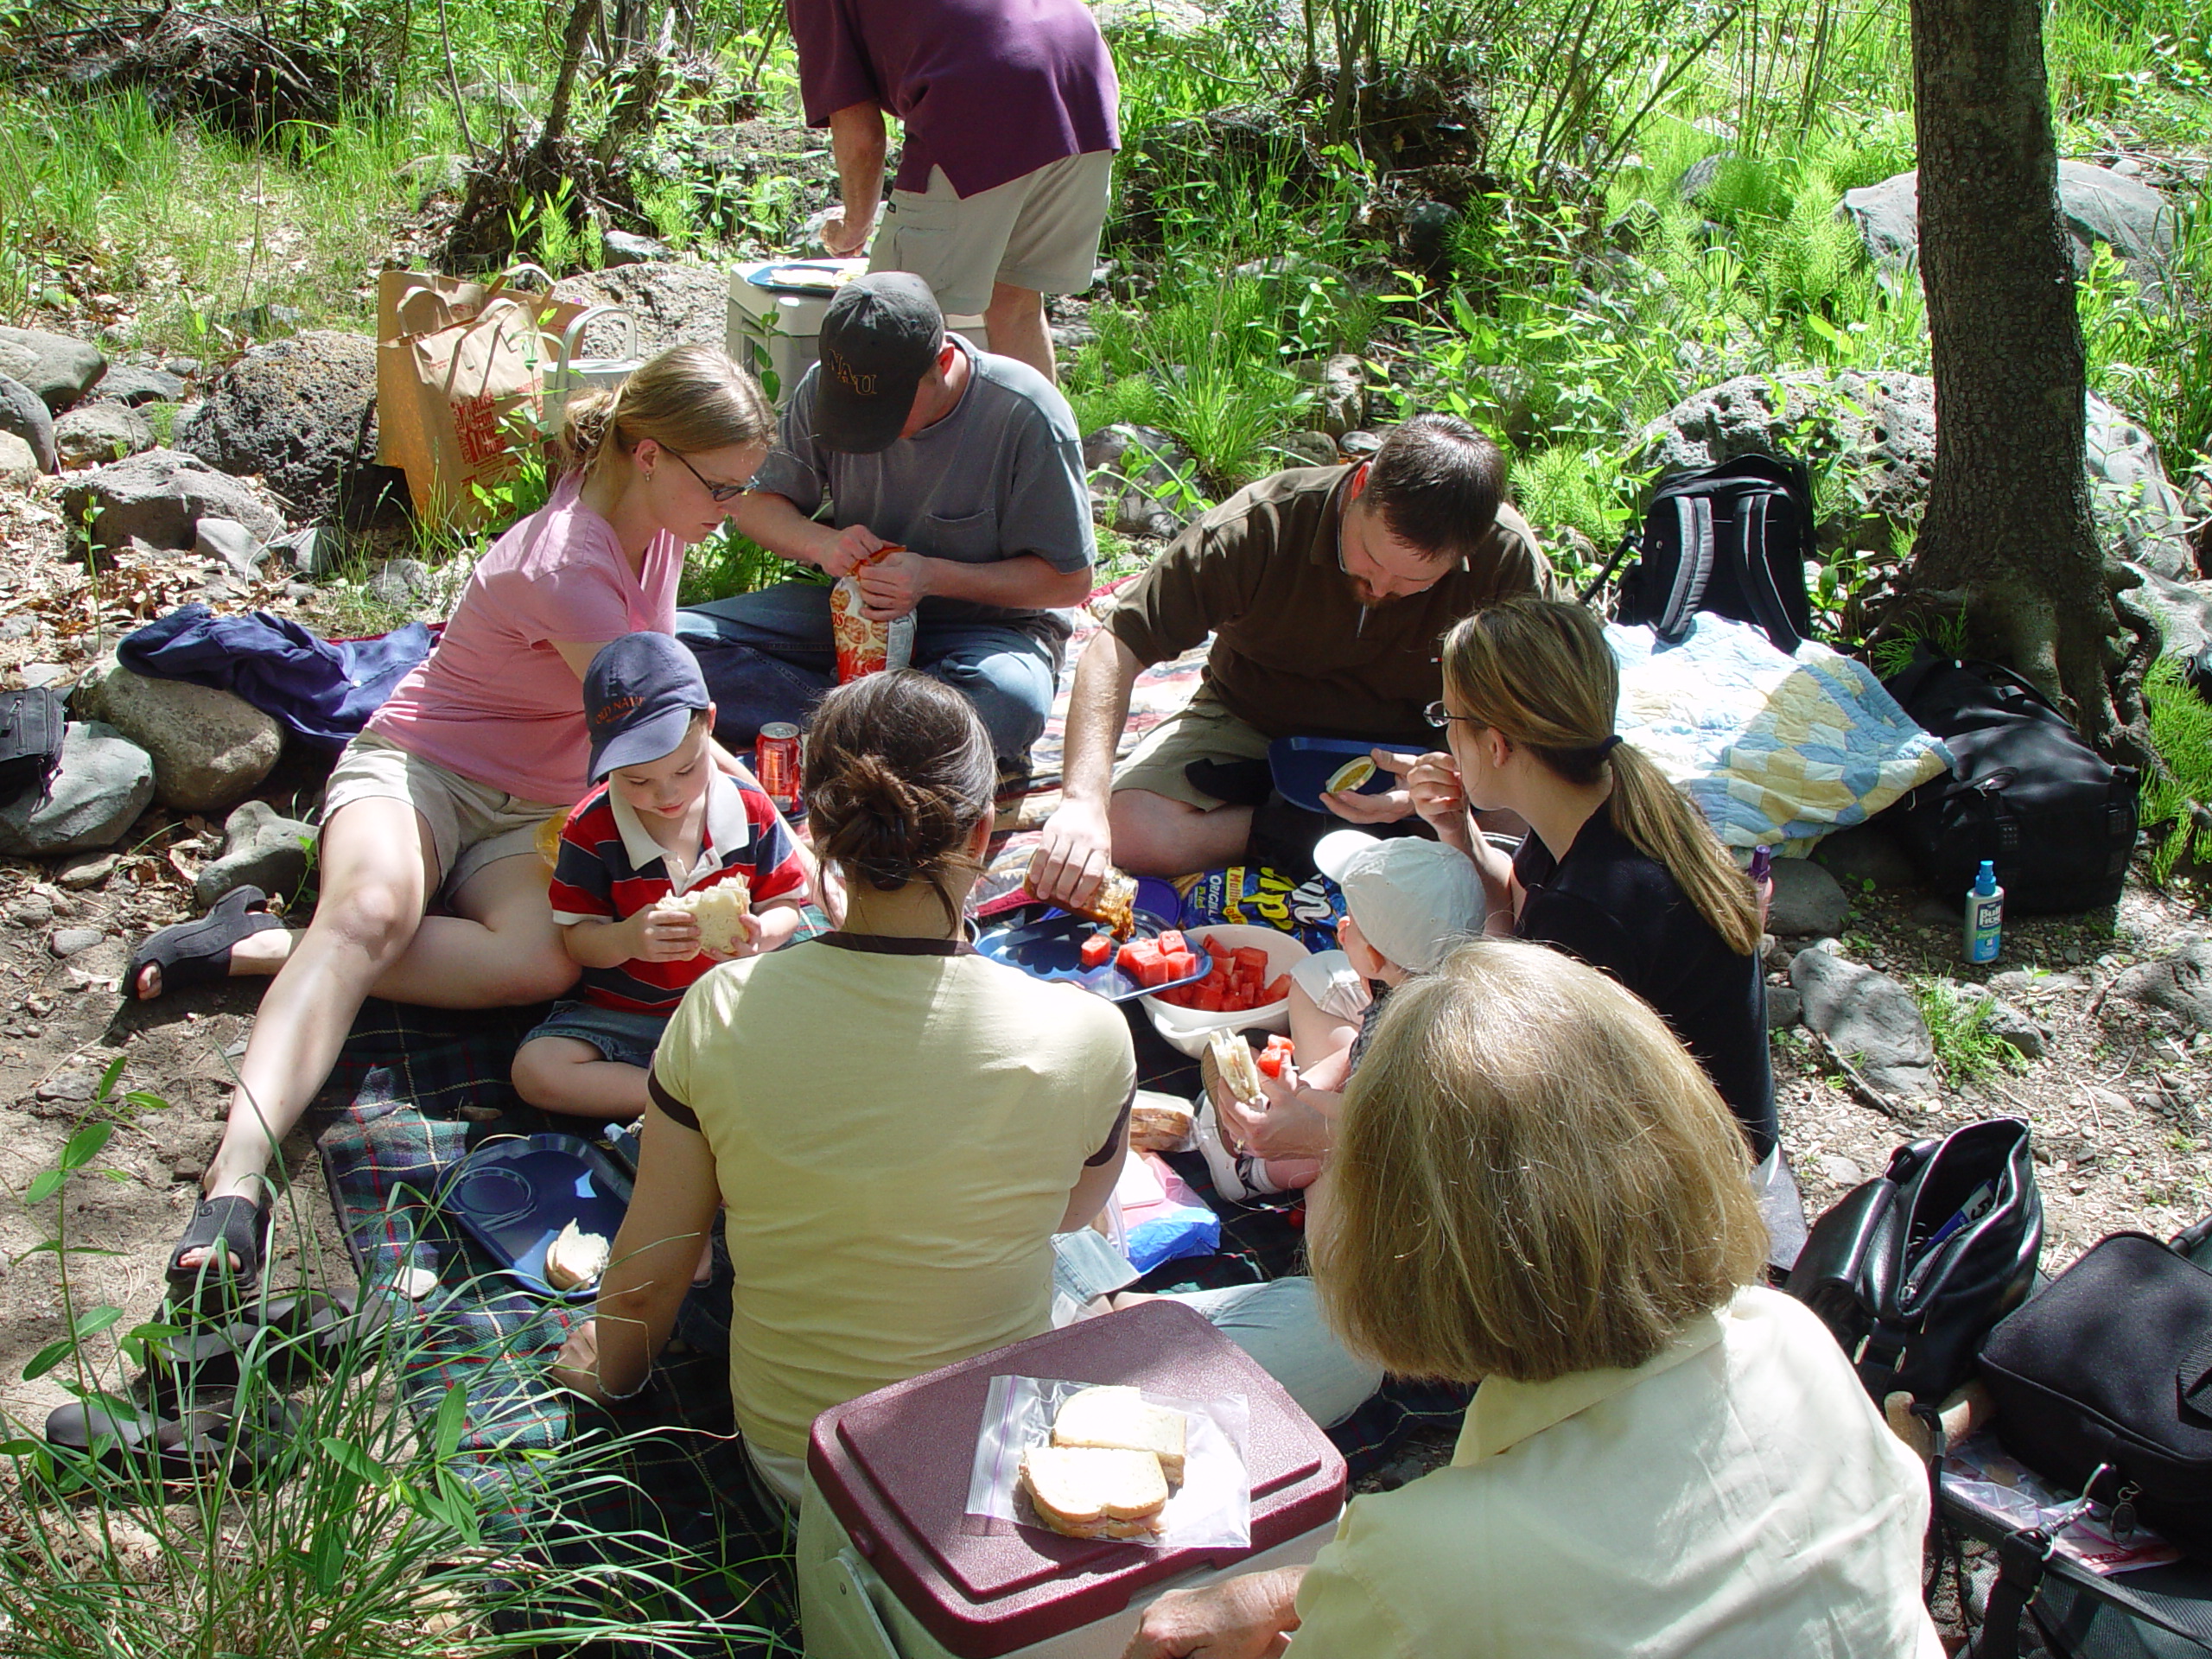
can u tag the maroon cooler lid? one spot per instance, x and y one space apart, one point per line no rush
894 1465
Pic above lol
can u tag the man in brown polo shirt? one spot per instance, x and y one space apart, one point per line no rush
1328 591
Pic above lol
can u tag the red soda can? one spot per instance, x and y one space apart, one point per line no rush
775 763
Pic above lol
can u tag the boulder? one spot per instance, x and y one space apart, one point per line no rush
159 497
260 849
58 369
2184 610
1867 852
403 584
1340 383
1784 1007
126 385
1303 449
24 413
209 747
2139 512
103 782
300 414
2098 205
94 434
1132 468
19 468
1871 1019
2180 983
627 248
315 552
1806 901
238 548
1883 426
2007 1023
677 302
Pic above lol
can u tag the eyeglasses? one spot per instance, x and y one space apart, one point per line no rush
721 492
1438 718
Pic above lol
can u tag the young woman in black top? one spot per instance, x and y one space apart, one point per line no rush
1620 869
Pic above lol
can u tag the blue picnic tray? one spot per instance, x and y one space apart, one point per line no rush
1303 766
513 1197
1047 942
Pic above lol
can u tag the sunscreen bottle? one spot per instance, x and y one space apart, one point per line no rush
1985 920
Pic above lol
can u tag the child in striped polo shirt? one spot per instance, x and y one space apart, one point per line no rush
661 820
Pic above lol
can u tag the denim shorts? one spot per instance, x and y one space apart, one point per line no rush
620 1034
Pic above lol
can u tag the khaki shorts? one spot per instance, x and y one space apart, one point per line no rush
1202 730
1038 232
472 824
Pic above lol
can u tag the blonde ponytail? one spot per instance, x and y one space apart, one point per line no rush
690 398
1539 672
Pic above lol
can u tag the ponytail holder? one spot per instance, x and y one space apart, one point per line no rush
1607 746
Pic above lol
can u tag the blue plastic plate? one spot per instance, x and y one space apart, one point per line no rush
816 277
1303 766
514 1197
1048 945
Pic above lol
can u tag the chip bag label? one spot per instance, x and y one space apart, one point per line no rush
1257 897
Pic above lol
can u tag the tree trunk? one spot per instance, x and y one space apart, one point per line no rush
573 40
2008 537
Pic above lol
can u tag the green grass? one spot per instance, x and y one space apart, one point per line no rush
2181 731
1958 1022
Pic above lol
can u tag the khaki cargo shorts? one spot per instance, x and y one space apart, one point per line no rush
472 824
1201 730
1038 232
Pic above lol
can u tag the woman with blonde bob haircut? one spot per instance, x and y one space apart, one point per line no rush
1620 869
1535 1189
443 794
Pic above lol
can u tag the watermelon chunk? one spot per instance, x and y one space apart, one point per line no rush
1097 950
1278 990
1251 958
1171 940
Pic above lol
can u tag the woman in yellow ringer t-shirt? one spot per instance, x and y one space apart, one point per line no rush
894 1125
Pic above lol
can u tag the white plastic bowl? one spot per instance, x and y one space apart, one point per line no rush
1187 1029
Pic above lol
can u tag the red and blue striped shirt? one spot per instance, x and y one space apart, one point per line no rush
610 867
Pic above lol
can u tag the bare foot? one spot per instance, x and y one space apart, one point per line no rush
260 953
192 1260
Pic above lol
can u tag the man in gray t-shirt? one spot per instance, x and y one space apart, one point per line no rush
968 462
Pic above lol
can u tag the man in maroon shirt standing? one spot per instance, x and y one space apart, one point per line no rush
1010 133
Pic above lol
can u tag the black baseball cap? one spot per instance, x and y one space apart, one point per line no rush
639 694
881 335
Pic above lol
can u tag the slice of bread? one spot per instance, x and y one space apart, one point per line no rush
575 1259
1159 1122
1234 1065
1095 1491
718 909
1119 1419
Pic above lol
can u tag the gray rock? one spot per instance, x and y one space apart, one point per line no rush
1864 852
209 747
677 302
2180 983
2099 205
93 434
226 539
58 369
1426 227
1133 467
1840 1170
1304 449
300 414
315 552
404 584
2007 1023
1286 268
1807 900
159 497
127 384
2141 512
186 366
627 248
105 781
68 941
19 468
260 849
1341 390
70 1086
1785 1006
2034 981
88 871
2183 610
1871 1019
24 413
32 909
42 673
1069 338
1359 445
265 319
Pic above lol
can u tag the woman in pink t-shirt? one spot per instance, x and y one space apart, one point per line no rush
444 793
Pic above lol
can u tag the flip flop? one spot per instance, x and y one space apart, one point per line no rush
199 1445
199 953
225 1227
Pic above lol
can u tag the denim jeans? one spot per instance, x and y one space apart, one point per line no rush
767 657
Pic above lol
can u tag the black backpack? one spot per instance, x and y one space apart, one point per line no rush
30 741
2057 819
1910 1269
1731 540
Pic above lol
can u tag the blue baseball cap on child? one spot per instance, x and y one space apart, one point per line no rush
639 694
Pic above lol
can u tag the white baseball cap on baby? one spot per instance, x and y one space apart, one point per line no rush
1413 899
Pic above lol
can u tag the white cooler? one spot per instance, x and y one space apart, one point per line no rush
889 1567
776 331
